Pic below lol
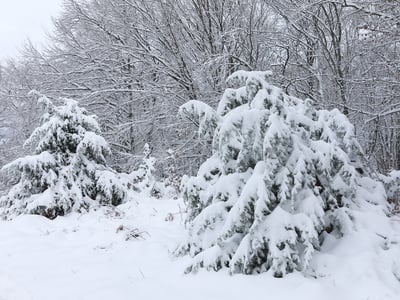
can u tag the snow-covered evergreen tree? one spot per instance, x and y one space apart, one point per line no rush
68 170
391 183
282 175
143 178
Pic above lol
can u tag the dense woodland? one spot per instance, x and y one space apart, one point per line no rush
134 62
254 136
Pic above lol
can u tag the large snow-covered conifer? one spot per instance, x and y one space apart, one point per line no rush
282 175
68 170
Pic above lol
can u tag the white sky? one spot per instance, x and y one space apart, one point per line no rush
23 19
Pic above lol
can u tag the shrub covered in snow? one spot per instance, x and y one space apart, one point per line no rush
282 175
391 182
68 170
143 178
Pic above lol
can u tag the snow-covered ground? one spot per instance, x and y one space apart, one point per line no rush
89 257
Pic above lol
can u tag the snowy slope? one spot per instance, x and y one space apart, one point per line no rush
88 257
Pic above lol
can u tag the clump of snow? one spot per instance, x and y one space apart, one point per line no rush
202 115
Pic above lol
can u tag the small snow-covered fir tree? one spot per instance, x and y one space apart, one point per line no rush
143 178
68 170
391 182
282 175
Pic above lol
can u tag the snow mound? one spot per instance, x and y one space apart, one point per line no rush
87 256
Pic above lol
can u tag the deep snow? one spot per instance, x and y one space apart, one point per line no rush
88 257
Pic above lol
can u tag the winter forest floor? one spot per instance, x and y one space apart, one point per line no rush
89 257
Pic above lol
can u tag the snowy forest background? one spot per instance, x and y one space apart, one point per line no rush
134 62
152 138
